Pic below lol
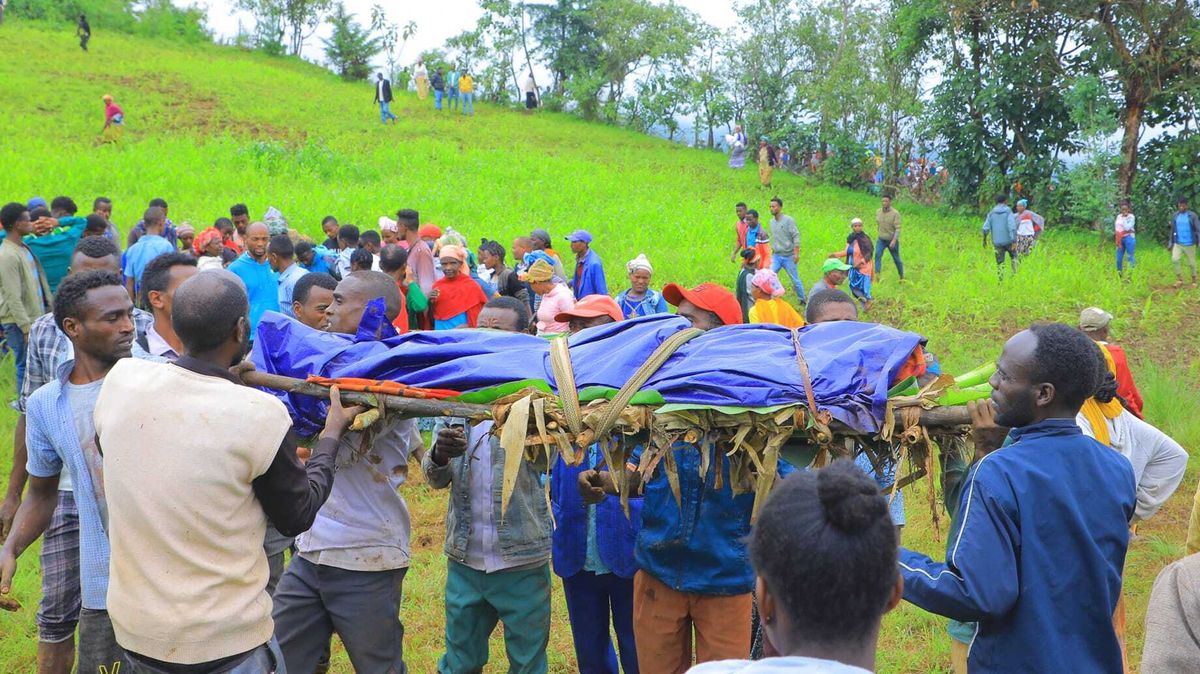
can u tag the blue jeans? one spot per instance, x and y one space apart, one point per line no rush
16 342
1127 247
788 262
882 245
452 93
437 98
313 601
468 104
591 598
385 112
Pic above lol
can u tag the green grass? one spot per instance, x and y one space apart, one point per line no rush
209 126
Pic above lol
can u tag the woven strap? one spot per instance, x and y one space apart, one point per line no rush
612 411
564 378
819 417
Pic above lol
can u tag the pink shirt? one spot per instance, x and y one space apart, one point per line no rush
553 303
110 111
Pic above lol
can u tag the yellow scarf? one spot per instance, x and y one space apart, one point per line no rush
1098 413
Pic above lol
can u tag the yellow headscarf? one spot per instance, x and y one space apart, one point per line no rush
1098 413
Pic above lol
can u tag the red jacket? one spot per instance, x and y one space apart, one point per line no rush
1125 386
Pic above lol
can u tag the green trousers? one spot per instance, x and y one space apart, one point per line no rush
476 601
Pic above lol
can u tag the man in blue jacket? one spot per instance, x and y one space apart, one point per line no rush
1001 222
589 271
1043 524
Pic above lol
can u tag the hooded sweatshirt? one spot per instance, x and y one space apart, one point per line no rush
1002 224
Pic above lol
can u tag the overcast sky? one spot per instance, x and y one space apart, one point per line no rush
437 20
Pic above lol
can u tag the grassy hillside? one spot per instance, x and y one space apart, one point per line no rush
210 126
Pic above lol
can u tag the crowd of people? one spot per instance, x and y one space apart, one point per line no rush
166 550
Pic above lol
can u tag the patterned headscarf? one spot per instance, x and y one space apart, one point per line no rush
204 238
639 262
766 281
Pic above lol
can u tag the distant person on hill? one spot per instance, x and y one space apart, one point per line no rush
168 231
833 274
769 305
640 299
1095 323
114 120
452 87
766 162
84 31
531 92
785 246
148 246
262 287
1001 222
887 236
421 75
439 88
737 148
1029 224
311 297
466 87
588 278
383 97
1123 230
1185 236
3 6
824 553
858 255
743 287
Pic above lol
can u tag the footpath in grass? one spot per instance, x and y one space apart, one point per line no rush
210 126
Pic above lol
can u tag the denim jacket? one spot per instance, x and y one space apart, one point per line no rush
699 546
524 530
615 533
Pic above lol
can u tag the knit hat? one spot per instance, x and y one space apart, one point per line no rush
639 262
768 282
185 228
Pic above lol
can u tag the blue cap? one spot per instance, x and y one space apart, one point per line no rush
1022 202
580 235
35 202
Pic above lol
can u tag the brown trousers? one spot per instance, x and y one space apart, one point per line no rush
664 620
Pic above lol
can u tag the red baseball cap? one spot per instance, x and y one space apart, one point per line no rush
707 296
592 306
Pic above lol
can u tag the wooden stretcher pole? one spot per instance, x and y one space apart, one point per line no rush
407 407
938 417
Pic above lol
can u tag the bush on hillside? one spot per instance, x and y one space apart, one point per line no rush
1168 168
350 47
846 165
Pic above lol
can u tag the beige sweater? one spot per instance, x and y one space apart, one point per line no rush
188 572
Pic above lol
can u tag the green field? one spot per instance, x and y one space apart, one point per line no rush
209 126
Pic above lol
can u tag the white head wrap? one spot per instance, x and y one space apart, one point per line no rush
639 262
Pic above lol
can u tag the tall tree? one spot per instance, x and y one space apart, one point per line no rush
350 47
298 19
1156 55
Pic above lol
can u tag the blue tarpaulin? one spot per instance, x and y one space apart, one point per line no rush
851 364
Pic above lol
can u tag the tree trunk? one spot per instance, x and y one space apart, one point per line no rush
1131 120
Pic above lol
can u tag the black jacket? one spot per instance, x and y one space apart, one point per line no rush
387 91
